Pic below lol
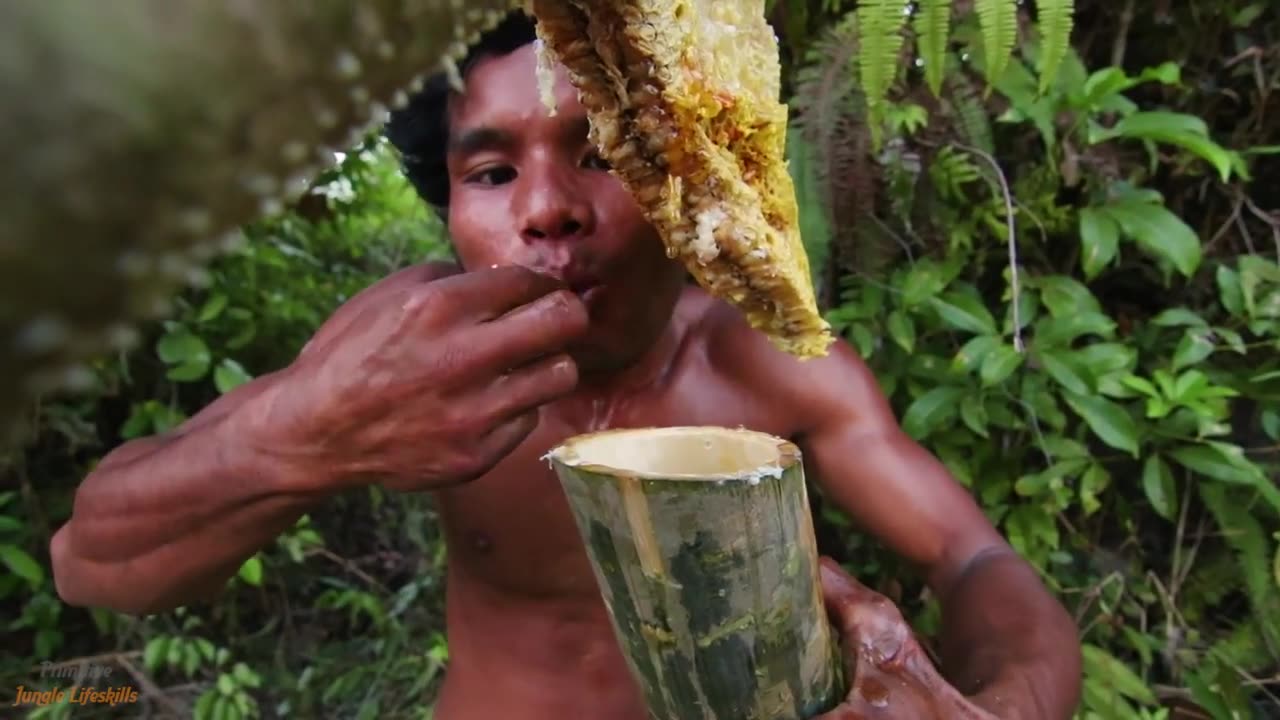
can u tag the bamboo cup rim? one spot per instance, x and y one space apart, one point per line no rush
687 453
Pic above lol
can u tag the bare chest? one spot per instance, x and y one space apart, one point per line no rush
512 529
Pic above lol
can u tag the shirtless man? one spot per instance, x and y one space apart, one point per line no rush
455 383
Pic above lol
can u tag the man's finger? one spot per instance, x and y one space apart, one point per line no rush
483 295
528 387
544 327
840 591
503 439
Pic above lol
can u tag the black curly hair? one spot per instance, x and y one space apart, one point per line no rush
420 131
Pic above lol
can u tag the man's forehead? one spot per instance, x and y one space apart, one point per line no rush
504 89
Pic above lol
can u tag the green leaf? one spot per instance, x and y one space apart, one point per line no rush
1061 368
1056 18
862 338
22 564
188 371
1229 291
964 311
180 346
880 41
1104 83
902 329
973 412
1141 385
1221 461
930 410
1194 346
1028 310
1100 241
190 659
1159 232
973 353
1102 359
1092 483
1159 486
1275 567
1227 462
1109 421
924 280
245 676
1065 296
933 26
251 571
1045 480
1178 317
212 308
1271 423
156 653
229 375
1062 331
999 364
1179 129
1098 663
998 21
186 353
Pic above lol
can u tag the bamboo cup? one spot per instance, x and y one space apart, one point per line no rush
702 543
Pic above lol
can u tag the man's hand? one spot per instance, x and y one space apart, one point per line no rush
425 386
891 675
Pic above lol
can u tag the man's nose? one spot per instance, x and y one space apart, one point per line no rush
555 209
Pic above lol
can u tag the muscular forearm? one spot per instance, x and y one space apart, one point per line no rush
1007 642
165 521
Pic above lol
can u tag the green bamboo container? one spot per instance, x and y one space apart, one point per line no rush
702 542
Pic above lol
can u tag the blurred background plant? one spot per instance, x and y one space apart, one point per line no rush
1066 281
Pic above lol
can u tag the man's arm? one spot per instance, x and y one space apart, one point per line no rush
164 521
1006 641
418 382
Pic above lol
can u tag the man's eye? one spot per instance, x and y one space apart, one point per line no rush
493 176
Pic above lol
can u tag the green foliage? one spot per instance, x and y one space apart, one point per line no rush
881 41
1109 391
1116 410
261 651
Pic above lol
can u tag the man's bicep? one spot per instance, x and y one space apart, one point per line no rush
898 492
891 486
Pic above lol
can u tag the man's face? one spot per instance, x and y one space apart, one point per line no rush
528 188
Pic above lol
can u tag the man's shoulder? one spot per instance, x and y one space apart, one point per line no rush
834 385
736 346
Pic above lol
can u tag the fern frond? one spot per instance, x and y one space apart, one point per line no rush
831 117
880 40
933 29
1244 647
998 21
1056 21
973 121
1214 576
1244 534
